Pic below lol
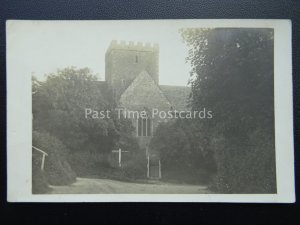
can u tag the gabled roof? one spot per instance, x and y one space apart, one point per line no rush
144 92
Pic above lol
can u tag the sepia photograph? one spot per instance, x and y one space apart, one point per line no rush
165 110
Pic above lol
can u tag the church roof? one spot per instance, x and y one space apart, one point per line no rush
144 92
177 95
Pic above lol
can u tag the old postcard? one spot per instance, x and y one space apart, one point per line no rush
149 110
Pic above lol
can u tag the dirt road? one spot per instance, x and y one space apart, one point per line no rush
105 186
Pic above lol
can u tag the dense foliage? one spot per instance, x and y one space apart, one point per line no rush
57 170
184 151
232 76
59 105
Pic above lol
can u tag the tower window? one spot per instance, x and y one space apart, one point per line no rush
136 59
123 82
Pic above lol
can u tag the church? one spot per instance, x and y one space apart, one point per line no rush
132 73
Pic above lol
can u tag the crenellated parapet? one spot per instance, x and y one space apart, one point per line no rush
134 46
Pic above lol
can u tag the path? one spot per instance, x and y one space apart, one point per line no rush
105 186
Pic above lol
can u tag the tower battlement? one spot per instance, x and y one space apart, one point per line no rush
131 45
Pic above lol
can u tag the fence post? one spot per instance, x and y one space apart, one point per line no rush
148 166
43 162
159 169
43 157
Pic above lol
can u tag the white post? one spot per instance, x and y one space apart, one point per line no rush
119 151
43 162
151 127
148 166
137 126
146 127
43 157
159 169
120 155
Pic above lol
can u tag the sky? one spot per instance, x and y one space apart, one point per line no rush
42 47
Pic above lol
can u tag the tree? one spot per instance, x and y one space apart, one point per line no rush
59 106
232 75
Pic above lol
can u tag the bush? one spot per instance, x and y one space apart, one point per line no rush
86 163
39 182
136 167
246 168
184 155
57 170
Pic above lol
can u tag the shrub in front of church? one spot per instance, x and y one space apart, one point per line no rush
57 170
184 156
89 164
238 162
134 162
136 167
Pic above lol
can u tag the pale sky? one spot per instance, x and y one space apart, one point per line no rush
42 47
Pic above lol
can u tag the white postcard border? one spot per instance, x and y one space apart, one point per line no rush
19 123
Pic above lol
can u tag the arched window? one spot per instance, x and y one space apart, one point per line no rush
144 127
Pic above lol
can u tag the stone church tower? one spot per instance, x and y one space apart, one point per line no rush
125 61
132 73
